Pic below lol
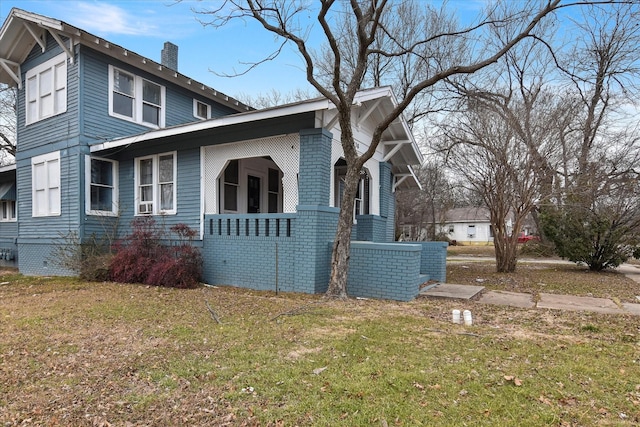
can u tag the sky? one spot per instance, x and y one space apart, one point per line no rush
143 26
205 53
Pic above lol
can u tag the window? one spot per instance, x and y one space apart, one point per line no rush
7 210
201 110
273 190
135 99
45 175
156 184
101 189
471 231
46 89
363 193
451 229
231 185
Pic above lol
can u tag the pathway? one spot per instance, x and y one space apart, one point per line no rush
524 300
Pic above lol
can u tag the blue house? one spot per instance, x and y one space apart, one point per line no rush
106 135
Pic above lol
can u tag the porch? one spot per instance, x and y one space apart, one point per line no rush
291 252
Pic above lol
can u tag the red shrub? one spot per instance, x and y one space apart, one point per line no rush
143 258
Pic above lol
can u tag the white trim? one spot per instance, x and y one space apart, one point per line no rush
215 123
155 202
13 218
88 183
138 102
195 109
59 106
46 160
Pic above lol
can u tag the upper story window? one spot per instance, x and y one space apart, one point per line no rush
101 186
156 184
201 110
46 89
136 99
45 176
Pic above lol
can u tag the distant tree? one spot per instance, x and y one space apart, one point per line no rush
8 97
423 209
594 217
435 48
274 98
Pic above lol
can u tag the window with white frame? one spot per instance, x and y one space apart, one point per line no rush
136 99
7 210
201 110
101 177
46 89
156 184
363 193
45 176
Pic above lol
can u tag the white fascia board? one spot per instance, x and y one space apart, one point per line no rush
8 168
216 123
40 20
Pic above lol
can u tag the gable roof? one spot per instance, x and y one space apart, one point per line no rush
399 146
468 214
23 30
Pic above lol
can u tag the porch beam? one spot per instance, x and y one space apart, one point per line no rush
61 43
402 178
366 113
394 150
15 75
37 38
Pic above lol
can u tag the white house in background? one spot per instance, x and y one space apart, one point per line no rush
469 226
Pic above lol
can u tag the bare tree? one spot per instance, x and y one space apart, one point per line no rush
437 46
423 209
595 216
8 97
273 98
488 153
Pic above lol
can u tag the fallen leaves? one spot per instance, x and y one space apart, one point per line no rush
516 381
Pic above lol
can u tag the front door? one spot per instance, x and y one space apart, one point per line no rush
253 194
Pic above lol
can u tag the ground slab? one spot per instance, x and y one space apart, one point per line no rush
447 290
631 308
512 299
574 303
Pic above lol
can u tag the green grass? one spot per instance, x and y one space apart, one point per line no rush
86 353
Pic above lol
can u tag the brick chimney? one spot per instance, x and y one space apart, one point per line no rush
169 56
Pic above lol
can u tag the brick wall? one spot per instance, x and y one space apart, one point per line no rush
433 260
315 167
384 270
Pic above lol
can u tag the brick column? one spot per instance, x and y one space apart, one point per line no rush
315 167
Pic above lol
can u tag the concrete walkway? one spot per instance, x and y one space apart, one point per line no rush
548 301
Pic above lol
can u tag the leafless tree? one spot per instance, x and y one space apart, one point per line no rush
8 97
274 97
436 48
487 151
597 204
423 209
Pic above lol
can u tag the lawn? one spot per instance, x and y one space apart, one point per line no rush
99 354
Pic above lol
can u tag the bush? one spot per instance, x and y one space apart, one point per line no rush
142 258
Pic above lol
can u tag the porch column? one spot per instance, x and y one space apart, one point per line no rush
315 167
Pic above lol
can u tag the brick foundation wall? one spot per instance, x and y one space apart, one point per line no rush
384 270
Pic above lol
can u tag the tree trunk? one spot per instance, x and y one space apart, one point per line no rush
342 244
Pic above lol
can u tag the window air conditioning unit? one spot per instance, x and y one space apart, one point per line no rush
145 208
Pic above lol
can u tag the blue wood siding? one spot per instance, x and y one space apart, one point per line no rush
62 127
99 126
70 189
188 191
